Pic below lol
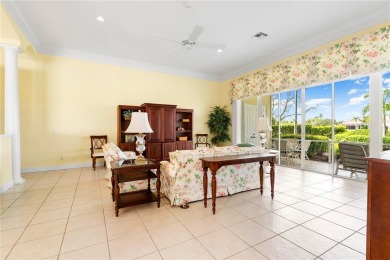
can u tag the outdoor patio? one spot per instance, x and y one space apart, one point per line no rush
323 167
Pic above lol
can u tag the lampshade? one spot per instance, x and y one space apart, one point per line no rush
263 124
139 123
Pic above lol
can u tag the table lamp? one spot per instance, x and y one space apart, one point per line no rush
262 126
139 125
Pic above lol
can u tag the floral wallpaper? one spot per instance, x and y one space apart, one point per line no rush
360 55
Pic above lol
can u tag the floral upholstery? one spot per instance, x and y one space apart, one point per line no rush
182 177
113 153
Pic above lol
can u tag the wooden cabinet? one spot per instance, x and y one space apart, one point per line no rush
172 130
184 145
169 117
166 148
378 208
154 151
162 119
126 142
184 123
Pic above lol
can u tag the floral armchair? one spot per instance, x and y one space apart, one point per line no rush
113 153
182 177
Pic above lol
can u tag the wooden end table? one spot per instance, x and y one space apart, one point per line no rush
125 171
214 163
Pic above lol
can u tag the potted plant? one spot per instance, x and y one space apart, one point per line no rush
218 123
127 114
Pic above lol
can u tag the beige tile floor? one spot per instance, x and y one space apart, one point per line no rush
69 214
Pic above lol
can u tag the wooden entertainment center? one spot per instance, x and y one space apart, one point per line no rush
172 130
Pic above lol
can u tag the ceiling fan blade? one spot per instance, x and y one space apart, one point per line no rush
195 33
215 46
167 38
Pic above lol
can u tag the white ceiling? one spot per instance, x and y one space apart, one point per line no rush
128 35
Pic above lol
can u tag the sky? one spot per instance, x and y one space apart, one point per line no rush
349 98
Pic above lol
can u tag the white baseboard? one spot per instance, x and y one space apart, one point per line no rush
6 186
60 167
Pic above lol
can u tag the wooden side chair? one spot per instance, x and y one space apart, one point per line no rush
201 139
97 142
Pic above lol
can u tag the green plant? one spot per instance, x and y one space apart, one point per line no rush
218 123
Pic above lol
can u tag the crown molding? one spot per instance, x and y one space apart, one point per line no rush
104 59
26 29
342 31
17 16
354 26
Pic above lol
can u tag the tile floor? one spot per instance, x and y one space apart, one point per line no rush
69 214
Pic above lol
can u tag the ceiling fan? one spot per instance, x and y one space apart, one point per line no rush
191 43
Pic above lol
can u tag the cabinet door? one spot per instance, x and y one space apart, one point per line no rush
128 147
169 130
378 209
156 122
184 145
188 145
168 147
180 146
154 151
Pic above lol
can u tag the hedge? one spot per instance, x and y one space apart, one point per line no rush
309 129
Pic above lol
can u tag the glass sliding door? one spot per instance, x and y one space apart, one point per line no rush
352 116
286 117
386 111
317 146
275 124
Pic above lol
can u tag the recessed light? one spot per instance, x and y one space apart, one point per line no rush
219 50
100 18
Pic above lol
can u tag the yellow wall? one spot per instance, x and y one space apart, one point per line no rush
63 101
5 162
1 91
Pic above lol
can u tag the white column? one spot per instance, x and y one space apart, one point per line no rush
376 102
11 106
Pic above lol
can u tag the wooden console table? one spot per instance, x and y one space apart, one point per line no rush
214 163
128 171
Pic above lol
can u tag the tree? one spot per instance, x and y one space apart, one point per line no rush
288 108
319 121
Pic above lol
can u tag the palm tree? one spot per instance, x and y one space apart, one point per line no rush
385 107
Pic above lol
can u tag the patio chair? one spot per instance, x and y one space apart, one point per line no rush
294 148
351 157
282 149
305 148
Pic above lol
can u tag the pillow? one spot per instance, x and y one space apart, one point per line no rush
121 155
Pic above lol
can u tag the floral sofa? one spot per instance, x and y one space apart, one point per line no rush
182 177
113 153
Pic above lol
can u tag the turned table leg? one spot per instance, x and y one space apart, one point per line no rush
214 188
272 177
158 186
261 178
205 187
